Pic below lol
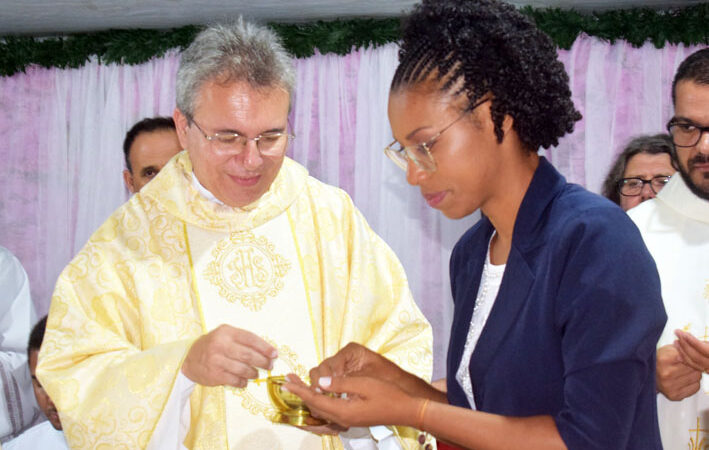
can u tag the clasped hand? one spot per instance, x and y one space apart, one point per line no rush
680 366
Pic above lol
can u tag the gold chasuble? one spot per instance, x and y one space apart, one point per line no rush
300 267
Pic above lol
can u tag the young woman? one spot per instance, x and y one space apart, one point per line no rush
557 301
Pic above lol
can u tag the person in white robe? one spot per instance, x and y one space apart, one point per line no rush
675 227
18 408
47 435
232 264
42 436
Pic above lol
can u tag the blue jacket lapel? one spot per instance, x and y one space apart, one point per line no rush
514 292
516 282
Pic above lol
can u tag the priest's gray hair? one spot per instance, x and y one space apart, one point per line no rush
236 52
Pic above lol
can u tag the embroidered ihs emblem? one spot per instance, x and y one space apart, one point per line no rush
247 269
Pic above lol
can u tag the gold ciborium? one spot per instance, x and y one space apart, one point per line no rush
290 407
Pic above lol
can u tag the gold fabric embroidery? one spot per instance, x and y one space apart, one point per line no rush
247 269
697 441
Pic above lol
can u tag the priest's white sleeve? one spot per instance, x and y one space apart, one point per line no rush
174 422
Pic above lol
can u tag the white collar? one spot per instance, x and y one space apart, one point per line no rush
677 196
204 191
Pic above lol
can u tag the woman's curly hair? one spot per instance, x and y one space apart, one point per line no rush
480 46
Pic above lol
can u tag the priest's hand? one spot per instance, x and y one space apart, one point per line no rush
675 379
360 401
694 352
227 356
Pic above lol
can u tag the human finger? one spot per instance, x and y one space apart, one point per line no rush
682 387
688 390
320 405
687 375
233 380
676 370
201 363
668 354
701 347
690 356
253 341
365 401
346 361
349 360
682 375
322 370
689 337
295 379
246 355
238 368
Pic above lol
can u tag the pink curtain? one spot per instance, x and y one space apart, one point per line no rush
622 92
63 131
62 158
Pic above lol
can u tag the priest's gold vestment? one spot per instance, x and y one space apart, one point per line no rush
300 267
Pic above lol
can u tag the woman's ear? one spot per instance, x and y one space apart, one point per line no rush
507 124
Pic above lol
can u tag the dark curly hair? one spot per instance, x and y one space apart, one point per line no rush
476 47
651 145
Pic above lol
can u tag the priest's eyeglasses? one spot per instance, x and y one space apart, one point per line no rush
272 143
420 154
631 187
684 133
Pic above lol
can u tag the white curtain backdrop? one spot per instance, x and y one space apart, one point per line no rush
61 156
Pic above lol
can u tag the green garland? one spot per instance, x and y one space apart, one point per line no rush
686 25
637 25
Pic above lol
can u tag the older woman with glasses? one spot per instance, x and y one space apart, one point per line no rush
557 301
642 169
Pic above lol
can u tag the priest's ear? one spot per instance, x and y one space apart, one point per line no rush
181 124
128 180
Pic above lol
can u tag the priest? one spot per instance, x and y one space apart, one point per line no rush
231 264
675 227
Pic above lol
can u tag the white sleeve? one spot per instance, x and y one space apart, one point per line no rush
18 407
373 438
174 422
17 315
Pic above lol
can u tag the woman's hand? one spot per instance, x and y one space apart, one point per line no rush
360 401
355 359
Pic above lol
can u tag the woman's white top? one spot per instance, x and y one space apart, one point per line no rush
487 292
